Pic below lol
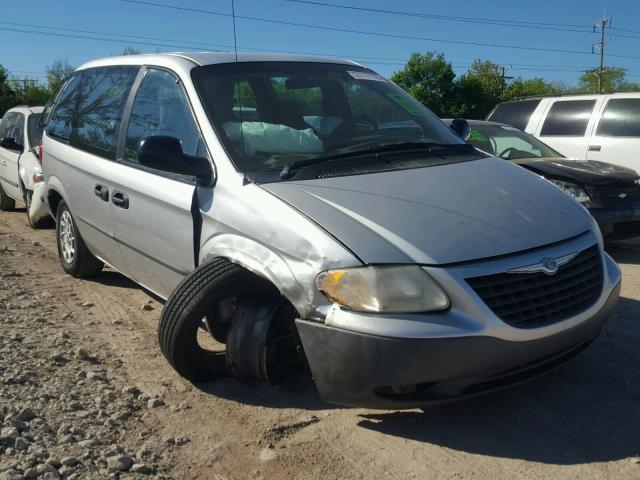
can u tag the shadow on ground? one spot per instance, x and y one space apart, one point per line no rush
586 411
111 278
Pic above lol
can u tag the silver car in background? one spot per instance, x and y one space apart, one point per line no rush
302 208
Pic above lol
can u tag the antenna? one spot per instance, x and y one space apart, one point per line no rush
235 48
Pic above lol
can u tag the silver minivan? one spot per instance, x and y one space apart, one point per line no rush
306 212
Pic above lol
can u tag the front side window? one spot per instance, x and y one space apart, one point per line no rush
621 118
568 118
102 96
270 114
161 108
516 114
508 143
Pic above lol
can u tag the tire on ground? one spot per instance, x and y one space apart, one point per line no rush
190 302
83 263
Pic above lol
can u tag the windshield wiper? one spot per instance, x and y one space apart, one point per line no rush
286 172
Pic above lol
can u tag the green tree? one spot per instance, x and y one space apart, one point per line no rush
8 97
430 79
478 90
613 80
530 87
29 92
130 51
57 72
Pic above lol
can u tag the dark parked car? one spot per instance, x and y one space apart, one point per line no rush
610 192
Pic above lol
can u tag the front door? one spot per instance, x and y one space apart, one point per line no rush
153 210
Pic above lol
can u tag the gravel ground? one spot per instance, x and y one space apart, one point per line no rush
85 393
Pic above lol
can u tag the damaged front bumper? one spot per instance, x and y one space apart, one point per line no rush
39 209
408 361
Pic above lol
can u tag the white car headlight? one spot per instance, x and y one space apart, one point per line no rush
572 189
397 289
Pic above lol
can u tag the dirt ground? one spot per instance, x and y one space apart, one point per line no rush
80 357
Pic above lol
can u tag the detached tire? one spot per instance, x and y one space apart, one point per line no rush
75 257
6 202
194 299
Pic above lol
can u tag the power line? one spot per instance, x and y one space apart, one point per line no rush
363 32
480 20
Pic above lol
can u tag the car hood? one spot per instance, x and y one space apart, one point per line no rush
438 215
581 172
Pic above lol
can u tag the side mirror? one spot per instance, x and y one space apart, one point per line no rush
461 127
10 144
165 154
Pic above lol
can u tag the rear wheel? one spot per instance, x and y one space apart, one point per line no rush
75 257
6 202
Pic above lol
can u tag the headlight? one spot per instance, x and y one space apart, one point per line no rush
398 289
575 191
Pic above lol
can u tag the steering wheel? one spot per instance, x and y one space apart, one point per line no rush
506 153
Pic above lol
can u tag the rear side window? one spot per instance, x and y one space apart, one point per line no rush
161 108
621 118
516 114
568 118
60 121
102 96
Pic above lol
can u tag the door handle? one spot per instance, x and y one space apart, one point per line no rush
120 199
595 148
102 192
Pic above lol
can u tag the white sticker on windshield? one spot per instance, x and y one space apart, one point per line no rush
366 76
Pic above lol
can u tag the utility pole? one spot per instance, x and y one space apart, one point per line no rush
599 46
504 77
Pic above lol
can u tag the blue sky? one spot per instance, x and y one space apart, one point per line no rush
26 54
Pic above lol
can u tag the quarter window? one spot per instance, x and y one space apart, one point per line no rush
568 118
621 118
102 96
161 108
516 114
60 121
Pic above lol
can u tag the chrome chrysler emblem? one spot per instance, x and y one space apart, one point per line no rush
622 195
548 265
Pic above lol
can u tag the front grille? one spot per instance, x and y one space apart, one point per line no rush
530 300
627 196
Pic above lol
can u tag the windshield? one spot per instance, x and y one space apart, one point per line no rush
508 142
270 114
34 130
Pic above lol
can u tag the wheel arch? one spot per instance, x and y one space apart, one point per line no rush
261 261
55 194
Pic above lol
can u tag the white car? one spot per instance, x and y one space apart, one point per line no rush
602 127
21 176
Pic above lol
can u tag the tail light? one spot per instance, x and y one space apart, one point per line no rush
40 153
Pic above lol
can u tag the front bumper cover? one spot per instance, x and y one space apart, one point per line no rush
618 224
358 369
